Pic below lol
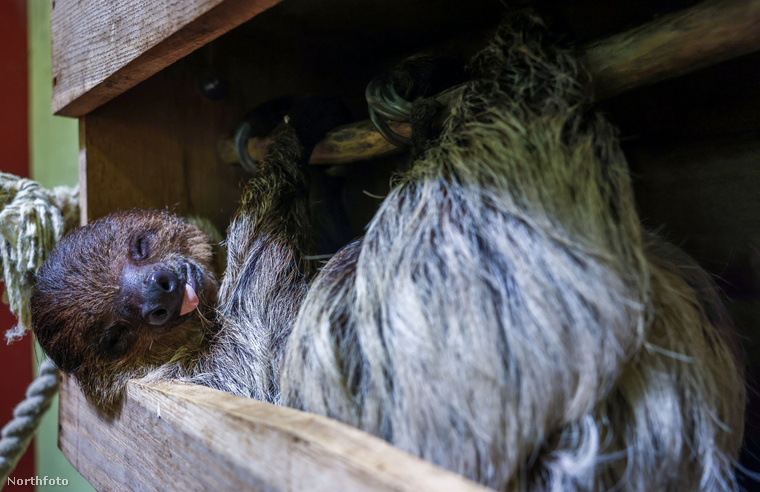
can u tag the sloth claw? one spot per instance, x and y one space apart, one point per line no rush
384 103
390 96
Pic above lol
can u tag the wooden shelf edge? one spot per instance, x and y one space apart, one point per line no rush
176 436
100 51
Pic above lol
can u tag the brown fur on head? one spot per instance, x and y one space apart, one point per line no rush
91 310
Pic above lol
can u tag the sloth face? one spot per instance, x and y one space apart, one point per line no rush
123 294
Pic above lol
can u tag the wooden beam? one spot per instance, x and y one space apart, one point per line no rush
101 48
175 436
343 145
674 45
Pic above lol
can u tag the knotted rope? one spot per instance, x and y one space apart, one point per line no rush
32 220
17 434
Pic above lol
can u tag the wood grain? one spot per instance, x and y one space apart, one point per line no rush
102 48
153 147
683 42
174 436
343 145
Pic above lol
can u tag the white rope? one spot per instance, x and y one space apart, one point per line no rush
32 220
17 434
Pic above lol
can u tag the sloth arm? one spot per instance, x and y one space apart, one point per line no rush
268 243
267 274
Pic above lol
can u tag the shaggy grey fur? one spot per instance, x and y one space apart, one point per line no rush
505 316
265 280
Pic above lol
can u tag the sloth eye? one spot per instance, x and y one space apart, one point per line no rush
140 247
113 341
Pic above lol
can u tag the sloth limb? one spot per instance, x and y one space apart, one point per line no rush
96 299
268 269
505 315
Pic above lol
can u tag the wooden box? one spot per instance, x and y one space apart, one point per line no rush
137 74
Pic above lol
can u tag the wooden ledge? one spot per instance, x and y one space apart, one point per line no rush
103 48
174 436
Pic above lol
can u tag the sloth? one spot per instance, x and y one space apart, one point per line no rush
505 315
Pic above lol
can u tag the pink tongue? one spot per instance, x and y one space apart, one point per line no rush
189 300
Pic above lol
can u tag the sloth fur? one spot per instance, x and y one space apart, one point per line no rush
505 316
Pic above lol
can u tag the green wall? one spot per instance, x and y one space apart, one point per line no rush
53 158
53 139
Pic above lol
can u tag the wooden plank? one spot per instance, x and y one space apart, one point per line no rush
153 147
174 436
102 48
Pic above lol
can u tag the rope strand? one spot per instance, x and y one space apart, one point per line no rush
17 434
32 220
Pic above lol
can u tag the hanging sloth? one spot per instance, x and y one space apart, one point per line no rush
505 316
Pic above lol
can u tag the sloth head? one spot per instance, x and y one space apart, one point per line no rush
124 294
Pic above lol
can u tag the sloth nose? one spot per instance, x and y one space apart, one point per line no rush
163 298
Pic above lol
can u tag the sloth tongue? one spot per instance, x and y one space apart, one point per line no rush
189 300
